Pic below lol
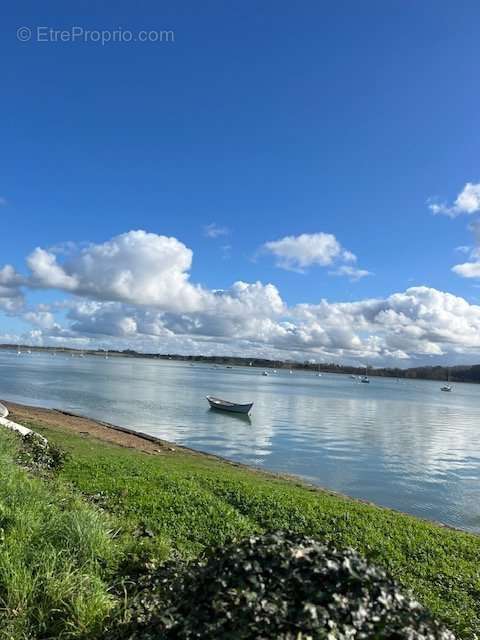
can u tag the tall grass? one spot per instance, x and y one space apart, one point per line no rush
55 551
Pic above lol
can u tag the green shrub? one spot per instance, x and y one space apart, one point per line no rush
39 455
275 586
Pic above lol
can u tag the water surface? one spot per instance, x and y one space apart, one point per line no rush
402 444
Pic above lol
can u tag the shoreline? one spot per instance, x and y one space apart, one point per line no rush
152 445
245 362
146 443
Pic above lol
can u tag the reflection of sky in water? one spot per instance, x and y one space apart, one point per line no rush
402 444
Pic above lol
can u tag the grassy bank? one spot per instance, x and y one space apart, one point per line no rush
54 549
177 501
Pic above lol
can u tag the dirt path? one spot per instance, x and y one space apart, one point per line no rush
54 419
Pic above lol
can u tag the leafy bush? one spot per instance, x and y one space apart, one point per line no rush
39 455
274 586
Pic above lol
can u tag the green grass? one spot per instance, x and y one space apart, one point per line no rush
190 502
53 552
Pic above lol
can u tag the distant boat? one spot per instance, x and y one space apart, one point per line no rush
225 405
447 387
265 373
353 377
365 379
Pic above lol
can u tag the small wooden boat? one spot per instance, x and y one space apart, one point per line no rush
225 405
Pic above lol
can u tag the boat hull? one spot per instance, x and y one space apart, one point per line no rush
229 407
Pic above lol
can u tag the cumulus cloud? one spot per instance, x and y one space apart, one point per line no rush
419 321
467 201
11 297
9 278
416 324
47 273
238 312
135 267
133 291
296 253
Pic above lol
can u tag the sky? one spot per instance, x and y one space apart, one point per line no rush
289 180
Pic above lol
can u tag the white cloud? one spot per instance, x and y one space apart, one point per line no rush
295 253
134 292
470 269
11 297
467 201
467 269
419 321
9 278
213 230
47 273
418 324
242 311
42 319
135 267
352 273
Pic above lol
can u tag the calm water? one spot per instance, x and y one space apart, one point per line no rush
401 444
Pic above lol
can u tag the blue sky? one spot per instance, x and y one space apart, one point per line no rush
267 120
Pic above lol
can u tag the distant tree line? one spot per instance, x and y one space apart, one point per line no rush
458 373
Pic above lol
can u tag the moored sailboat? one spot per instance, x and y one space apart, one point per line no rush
447 387
365 379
